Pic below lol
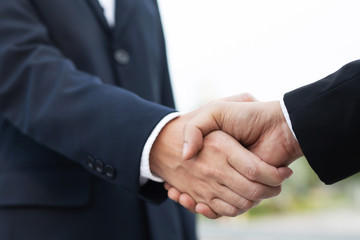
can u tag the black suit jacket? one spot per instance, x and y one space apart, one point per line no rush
325 116
78 100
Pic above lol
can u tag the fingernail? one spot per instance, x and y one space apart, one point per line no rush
185 149
290 174
197 208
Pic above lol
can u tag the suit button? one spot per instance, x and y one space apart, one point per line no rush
110 171
122 57
90 162
99 166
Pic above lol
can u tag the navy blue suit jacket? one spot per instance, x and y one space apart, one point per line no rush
74 119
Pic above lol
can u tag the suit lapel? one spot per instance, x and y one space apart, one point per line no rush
124 11
99 13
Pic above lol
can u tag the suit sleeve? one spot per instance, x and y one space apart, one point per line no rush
325 116
70 112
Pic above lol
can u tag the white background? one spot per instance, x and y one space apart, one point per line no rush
266 47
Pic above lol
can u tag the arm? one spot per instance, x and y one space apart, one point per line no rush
64 109
73 113
224 175
325 117
221 159
260 127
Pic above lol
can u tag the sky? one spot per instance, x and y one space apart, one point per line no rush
218 48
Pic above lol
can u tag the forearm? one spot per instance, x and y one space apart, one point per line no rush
325 116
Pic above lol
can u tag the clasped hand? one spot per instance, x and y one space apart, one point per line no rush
232 154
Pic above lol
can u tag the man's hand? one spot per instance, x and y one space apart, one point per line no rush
224 175
260 127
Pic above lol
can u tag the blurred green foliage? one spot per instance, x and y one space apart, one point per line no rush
305 192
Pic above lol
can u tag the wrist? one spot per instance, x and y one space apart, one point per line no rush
167 148
145 172
289 141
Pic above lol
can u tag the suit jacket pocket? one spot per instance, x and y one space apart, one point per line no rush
44 188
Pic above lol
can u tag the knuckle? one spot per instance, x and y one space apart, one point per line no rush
200 193
221 191
251 171
219 176
233 212
247 205
212 143
256 193
207 171
218 144
210 171
207 195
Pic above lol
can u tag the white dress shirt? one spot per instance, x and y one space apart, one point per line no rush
145 173
286 115
109 11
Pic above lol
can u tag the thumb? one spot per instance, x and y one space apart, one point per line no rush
204 123
195 130
193 141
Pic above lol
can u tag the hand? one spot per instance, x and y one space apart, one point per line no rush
221 175
259 126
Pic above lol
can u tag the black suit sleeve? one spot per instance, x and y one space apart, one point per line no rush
73 113
325 116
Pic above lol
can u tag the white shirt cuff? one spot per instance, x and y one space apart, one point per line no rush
145 173
286 115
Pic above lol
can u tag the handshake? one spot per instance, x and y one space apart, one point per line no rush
225 157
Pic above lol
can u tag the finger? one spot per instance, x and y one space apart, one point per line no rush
253 168
193 142
285 172
205 210
270 175
248 193
174 194
225 209
227 183
243 174
187 202
167 186
244 189
193 135
198 127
